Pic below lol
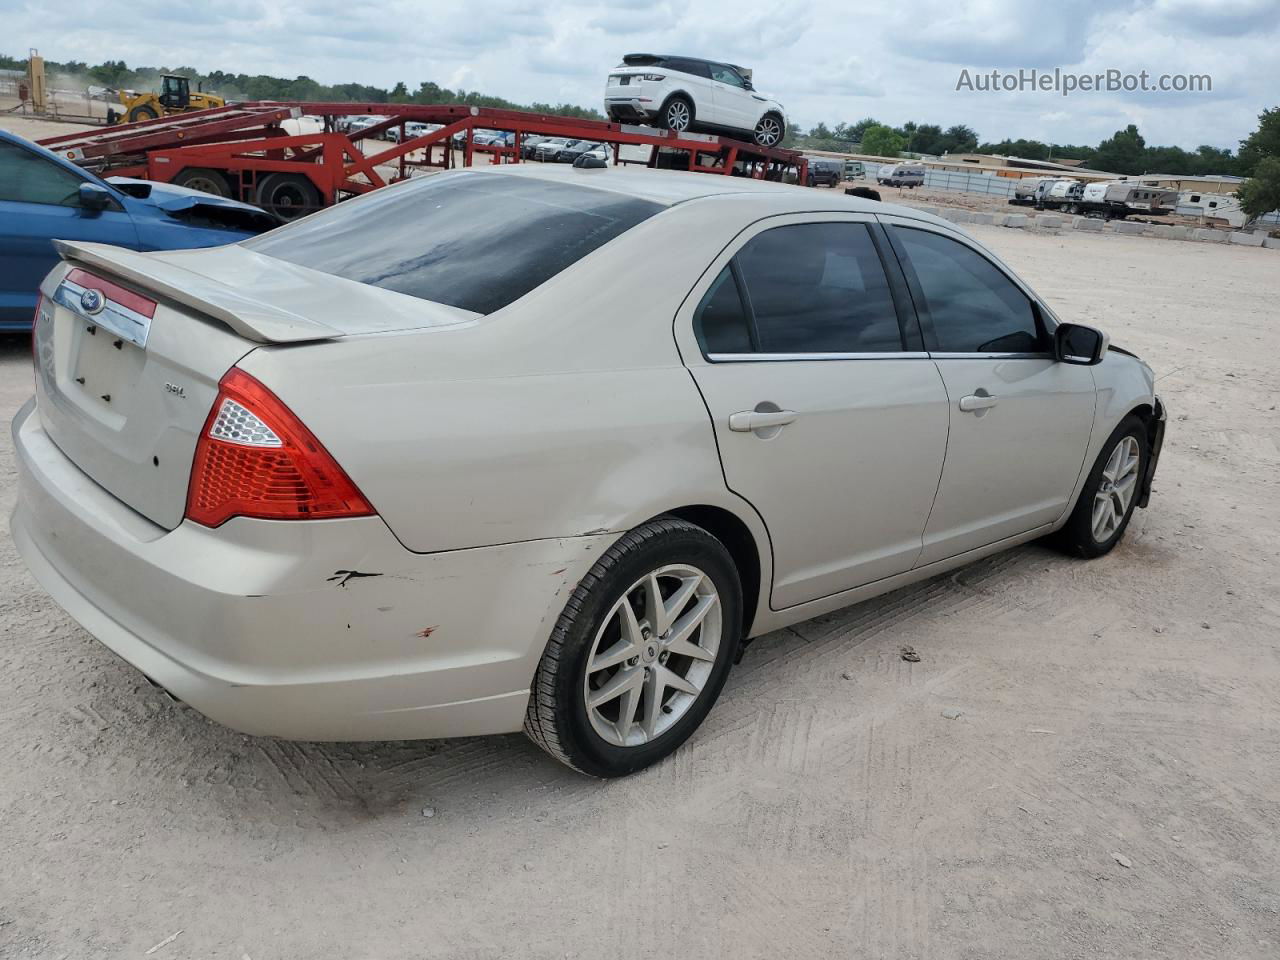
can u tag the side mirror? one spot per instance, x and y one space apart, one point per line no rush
1076 343
94 196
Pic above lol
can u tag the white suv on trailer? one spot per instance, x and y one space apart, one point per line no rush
685 93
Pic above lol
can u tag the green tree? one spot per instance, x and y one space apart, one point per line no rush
881 141
1123 152
1263 142
1261 193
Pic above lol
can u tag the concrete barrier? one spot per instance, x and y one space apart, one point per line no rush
1087 224
1248 239
1179 233
1272 243
1209 236
1049 221
1162 231
1131 229
982 217
1016 220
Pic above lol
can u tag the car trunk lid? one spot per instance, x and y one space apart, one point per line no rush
130 349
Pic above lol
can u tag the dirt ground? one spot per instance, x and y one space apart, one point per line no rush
1111 787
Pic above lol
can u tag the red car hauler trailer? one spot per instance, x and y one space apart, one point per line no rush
243 150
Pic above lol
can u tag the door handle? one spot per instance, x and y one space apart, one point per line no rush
746 421
977 401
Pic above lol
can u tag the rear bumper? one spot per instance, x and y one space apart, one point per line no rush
258 625
624 109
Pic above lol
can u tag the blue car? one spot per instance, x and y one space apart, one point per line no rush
44 197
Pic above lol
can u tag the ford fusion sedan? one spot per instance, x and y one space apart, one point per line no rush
686 93
43 196
405 468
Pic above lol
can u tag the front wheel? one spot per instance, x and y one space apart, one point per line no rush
1110 492
768 132
640 653
142 113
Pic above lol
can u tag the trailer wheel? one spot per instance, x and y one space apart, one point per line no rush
205 180
142 113
288 195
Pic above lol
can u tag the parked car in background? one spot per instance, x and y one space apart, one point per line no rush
824 171
260 546
685 93
412 130
529 143
909 175
549 150
44 197
572 152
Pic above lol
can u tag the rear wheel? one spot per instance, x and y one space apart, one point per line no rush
1110 492
677 114
640 653
142 113
288 195
769 131
204 180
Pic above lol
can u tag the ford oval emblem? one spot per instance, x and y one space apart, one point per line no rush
92 301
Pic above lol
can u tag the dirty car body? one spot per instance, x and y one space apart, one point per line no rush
483 422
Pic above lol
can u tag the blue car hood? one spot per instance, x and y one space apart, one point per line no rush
183 203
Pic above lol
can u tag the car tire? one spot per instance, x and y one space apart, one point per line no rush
676 114
597 647
290 196
205 180
1110 492
142 113
770 131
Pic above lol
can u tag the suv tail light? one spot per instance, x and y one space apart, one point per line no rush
255 458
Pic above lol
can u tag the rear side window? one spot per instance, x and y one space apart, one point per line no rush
819 288
721 322
974 307
470 240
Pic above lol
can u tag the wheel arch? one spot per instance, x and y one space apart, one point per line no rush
732 531
680 94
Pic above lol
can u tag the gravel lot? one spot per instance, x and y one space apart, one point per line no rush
1111 787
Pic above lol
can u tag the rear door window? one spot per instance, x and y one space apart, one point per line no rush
470 240
819 288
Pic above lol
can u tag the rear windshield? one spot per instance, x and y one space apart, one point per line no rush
475 241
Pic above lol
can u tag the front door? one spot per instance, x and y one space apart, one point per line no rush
1019 420
826 423
734 104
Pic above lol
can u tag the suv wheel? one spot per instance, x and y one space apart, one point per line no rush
768 132
640 653
677 114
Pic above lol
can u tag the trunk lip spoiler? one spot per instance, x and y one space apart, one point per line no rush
251 319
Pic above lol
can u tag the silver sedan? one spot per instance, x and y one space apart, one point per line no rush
543 448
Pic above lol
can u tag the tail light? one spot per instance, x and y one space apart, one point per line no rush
256 459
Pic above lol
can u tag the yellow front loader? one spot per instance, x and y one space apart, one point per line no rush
175 96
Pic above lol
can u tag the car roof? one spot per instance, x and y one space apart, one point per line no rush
671 187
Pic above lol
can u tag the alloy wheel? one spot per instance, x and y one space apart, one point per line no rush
653 655
768 132
678 115
1116 487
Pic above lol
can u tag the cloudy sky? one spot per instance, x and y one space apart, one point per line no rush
895 61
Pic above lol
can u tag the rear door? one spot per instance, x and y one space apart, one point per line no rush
1019 420
830 419
39 201
695 77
